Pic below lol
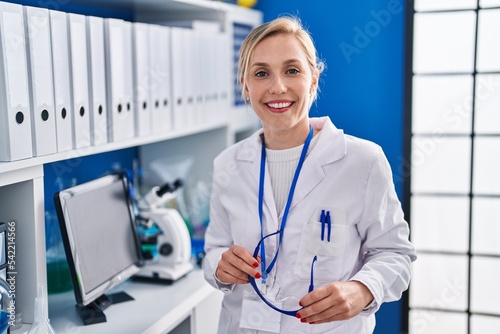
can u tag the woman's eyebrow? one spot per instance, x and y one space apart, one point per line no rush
260 64
286 62
291 61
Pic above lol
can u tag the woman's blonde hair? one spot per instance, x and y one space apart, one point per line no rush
282 25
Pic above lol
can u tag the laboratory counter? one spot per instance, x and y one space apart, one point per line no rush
156 308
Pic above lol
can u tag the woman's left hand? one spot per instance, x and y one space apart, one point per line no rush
333 302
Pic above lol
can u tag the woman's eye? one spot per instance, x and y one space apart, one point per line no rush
260 74
292 71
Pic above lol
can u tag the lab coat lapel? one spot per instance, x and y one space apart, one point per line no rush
329 148
252 154
310 176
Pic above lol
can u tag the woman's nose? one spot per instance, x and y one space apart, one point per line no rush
278 86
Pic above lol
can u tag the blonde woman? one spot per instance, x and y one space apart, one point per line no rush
306 232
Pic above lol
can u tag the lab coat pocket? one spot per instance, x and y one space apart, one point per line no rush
326 240
333 247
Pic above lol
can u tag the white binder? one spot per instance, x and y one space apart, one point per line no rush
41 84
208 85
213 94
161 85
118 43
178 70
142 73
189 82
79 79
97 81
224 68
15 118
205 42
197 81
129 81
62 83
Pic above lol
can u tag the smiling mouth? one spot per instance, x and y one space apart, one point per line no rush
280 105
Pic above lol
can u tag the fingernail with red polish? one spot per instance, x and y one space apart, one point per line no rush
300 304
256 264
257 275
302 320
312 323
298 315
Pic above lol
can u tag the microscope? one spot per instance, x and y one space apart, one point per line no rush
173 242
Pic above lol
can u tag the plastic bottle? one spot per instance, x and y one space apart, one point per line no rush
41 324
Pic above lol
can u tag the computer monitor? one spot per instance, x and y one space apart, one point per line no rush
100 240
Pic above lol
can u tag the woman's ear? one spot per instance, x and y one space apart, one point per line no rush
314 82
244 88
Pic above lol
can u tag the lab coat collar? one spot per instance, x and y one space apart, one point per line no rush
330 147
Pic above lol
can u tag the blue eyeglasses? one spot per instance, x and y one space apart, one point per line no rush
257 290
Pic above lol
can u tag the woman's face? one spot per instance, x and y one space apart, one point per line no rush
279 83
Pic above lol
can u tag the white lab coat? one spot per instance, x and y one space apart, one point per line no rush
369 243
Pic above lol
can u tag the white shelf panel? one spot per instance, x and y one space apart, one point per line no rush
160 5
15 165
150 10
20 174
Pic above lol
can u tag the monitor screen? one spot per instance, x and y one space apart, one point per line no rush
99 235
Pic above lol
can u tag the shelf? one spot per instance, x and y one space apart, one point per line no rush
148 10
20 175
81 152
160 5
157 308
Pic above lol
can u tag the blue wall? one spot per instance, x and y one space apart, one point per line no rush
362 87
362 43
83 169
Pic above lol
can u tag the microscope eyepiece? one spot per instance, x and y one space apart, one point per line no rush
169 187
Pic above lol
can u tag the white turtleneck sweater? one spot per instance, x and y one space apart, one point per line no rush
282 165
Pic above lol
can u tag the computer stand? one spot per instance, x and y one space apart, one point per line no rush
94 312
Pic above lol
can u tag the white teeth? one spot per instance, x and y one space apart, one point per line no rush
280 105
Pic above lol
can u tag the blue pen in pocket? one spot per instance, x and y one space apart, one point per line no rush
329 224
322 220
326 222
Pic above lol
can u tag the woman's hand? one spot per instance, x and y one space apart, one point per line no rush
335 301
235 265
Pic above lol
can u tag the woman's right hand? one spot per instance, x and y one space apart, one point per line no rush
235 265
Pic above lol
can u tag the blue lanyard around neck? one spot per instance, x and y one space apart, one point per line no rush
266 271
